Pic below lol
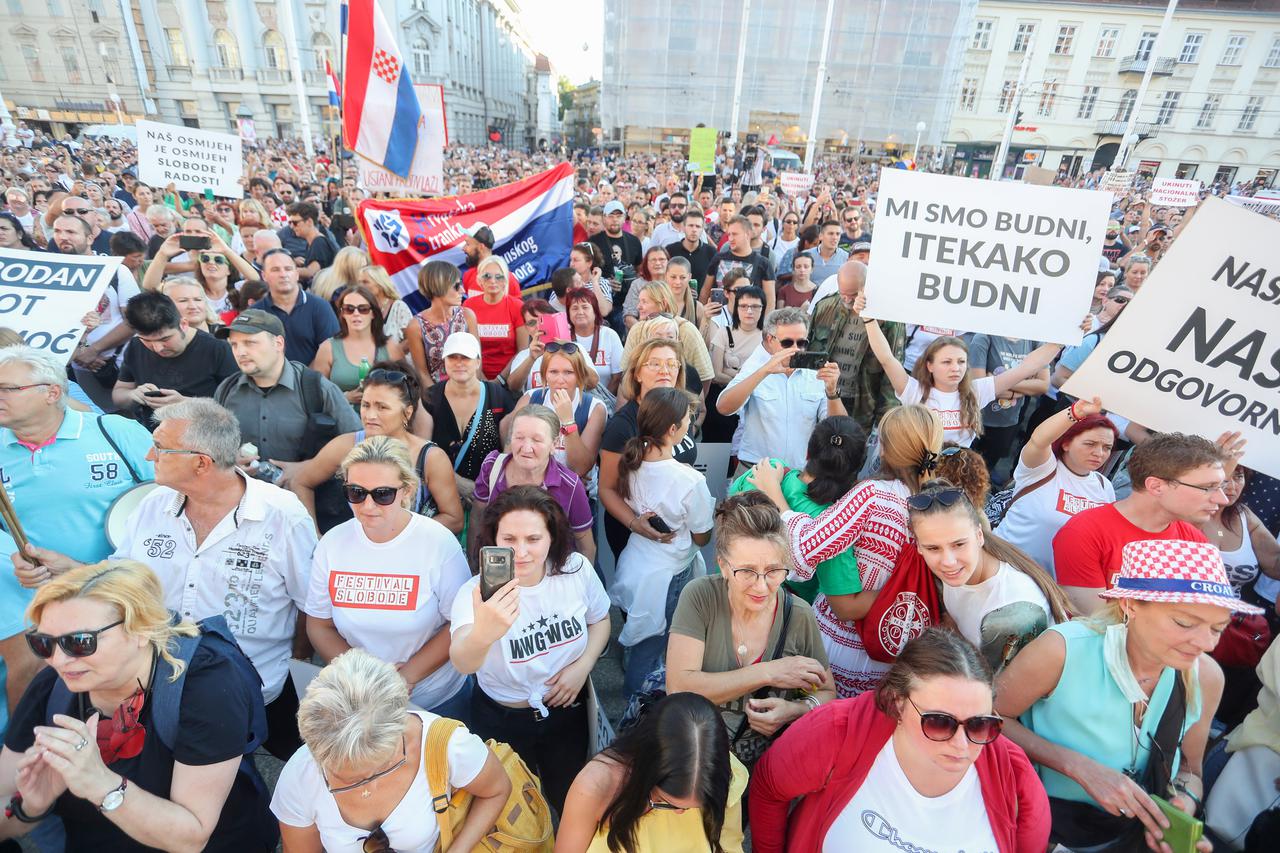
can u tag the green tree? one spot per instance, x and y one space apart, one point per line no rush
565 88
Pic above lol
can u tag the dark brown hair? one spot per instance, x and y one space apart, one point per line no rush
532 499
749 515
936 652
660 410
375 313
1170 455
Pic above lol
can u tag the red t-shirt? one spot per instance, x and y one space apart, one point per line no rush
1087 550
497 326
473 286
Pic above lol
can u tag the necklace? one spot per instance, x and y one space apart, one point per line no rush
366 794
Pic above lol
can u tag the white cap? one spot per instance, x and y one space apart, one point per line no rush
461 343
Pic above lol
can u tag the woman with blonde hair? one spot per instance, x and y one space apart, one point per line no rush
84 744
499 317
395 314
193 304
871 518
344 272
441 283
359 783
693 348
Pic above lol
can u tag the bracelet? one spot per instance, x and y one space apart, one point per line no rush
1071 413
631 522
1180 787
810 700
14 810
833 396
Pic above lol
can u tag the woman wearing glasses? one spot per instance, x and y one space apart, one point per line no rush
1072 357
740 639
499 317
346 357
729 347
384 581
440 282
82 743
387 407
918 764
359 784
213 269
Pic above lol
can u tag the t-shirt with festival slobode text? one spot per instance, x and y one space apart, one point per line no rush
946 404
496 327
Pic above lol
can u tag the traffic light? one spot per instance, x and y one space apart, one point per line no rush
1017 118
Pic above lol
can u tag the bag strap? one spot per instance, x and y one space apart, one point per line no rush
1167 737
435 762
1026 490
111 441
475 425
777 650
496 471
309 388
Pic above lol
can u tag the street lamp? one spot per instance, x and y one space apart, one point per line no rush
915 154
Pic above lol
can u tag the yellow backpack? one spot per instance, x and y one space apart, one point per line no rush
525 822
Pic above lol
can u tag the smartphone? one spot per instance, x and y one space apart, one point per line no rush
717 296
497 568
809 360
1184 830
193 241
554 327
656 522
153 393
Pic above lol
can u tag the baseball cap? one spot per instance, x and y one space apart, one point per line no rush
461 343
860 246
614 207
251 321
482 234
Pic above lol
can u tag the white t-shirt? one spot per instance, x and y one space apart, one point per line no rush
947 406
390 598
111 307
919 337
888 815
1035 518
607 360
549 633
302 798
969 605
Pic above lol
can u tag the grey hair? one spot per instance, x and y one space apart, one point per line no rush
161 211
211 429
683 263
546 414
785 317
353 713
44 366
494 260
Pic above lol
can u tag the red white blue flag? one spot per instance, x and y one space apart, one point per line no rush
531 220
380 111
334 89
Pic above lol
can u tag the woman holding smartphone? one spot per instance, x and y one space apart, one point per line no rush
534 641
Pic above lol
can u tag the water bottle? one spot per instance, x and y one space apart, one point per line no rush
365 367
266 471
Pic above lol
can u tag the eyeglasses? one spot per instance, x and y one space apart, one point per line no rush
357 309
1120 300
404 756
161 451
566 347
293 223
1208 490
945 497
376 841
382 495
389 377
747 306
6 390
212 258
77 644
798 343
75 211
663 366
749 576
664 806
791 222
940 726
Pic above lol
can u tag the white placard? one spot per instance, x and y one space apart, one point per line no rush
1198 348
1175 192
1117 183
190 159
1002 257
43 296
426 175
796 184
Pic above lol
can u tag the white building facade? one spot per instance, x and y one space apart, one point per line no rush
1211 111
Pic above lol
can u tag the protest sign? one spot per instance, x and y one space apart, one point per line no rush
1039 176
190 159
43 296
426 174
796 184
1265 206
1004 258
1198 348
702 151
248 133
1175 192
1117 183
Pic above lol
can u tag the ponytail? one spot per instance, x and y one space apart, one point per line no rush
1007 552
661 409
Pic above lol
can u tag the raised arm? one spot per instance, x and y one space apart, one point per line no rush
1037 360
1039 447
881 348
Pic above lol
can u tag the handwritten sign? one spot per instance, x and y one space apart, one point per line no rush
426 174
796 184
192 160
1175 192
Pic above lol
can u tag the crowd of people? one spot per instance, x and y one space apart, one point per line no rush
268 509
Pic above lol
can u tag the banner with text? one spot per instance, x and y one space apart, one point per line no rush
426 175
531 220
190 159
1198 350
702 151
1175 192
796 184
43 296
998 257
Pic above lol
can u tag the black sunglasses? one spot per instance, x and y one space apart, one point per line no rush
1120 300
566 347
382 495
376 841
940 726
77 644
800 343
389 377
945 497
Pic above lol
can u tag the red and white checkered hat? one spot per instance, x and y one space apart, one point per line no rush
1174 570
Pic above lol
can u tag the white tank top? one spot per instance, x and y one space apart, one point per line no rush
1242 563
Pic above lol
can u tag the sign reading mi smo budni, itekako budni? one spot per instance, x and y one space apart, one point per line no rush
1003 258
43 296
1198 348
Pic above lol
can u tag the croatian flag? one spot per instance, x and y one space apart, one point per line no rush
380 111
531 220
332 80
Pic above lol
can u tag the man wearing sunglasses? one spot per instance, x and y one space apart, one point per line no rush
221 543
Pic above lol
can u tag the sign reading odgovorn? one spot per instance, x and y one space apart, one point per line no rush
190 159
43 296
1003 258
1198 349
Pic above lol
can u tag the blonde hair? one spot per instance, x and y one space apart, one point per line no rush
210 316
383 450
10 338
353 713
378 277
661 294
264 218
908 435
630 387
343 272
132 590
493 260
587 376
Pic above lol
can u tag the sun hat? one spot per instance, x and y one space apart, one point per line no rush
461 343
1176 571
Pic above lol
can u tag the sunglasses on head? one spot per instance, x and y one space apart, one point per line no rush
77 644
382 495
212 258
566 347
945 497
941 726
357 309
798 343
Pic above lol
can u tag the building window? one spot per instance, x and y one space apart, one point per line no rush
1006 95
421 58
1249 117
177 47
322 52
1088 101
1125 108
72 62
1168 106
1273 55
1048 95
1146 44
1235 47
111 67
1022 39
1208 112
982 34
969 94
1186 171
1107 38
228 50
1191 49
31 57
273 49
1066 39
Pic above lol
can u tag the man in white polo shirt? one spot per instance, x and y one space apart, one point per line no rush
223 543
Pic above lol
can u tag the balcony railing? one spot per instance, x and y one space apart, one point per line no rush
226 75
313 78
1117 128
179 73
1134 64
274 75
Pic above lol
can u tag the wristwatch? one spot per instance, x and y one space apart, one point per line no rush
115 798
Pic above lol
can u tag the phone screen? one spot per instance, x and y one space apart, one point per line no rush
193 241
809 360
497 568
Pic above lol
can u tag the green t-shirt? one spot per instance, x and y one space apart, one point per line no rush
837 576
